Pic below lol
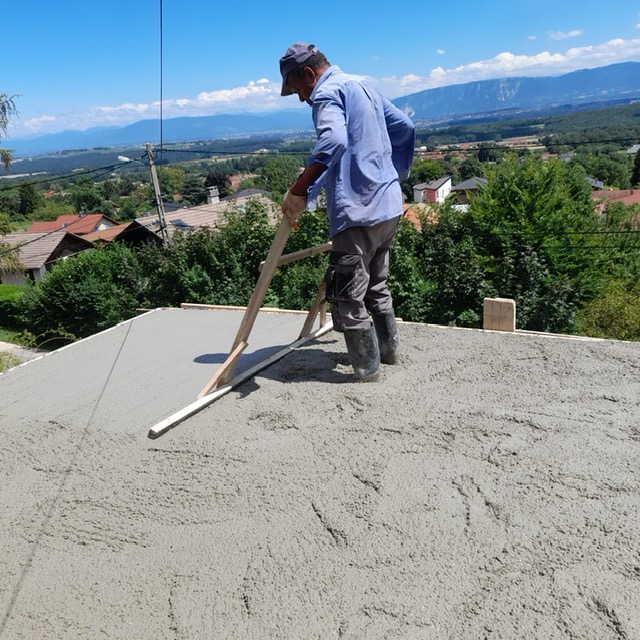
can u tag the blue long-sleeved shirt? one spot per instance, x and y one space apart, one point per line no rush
367 145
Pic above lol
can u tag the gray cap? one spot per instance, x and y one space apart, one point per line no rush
295 55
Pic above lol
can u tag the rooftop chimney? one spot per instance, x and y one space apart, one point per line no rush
213 195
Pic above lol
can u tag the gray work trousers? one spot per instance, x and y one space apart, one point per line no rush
357 274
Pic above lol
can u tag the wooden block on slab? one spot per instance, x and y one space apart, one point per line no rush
499 314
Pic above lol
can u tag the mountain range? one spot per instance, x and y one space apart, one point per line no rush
596 88
614 84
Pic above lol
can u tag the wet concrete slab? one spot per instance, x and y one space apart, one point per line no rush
141 371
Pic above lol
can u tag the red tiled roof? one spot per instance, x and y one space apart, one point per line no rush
417 211
106 234
76 223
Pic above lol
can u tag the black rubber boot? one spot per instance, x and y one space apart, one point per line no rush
387 332
362 345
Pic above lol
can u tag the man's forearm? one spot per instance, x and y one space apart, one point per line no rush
310 174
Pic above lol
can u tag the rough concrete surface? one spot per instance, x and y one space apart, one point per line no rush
487 487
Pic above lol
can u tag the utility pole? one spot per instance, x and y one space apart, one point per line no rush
164 232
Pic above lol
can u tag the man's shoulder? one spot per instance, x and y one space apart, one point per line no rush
338 81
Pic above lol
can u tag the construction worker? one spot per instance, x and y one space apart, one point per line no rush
364 149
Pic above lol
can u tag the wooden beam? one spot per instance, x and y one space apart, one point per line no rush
225 307
226 370
178 417
303 253
315 308
254 305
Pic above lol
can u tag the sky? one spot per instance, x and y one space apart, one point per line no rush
76 64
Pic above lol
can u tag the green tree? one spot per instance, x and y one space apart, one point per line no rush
470 167
452 270
5 223
193 190
407 282
214 266
85 197
220 179
10 202
51 210
7 110
635 174
171 180
532 226
278 174
29 201
84 294
615 314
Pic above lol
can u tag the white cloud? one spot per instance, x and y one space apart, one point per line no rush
36 125
440 52
560 35
638 25
263 95
508 64
532 38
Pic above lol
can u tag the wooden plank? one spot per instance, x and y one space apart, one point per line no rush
303 253
181 415
225 307
254 305
315 308
223 374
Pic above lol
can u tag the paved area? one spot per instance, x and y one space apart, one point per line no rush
24 354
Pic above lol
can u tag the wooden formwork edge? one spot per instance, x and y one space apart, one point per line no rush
227 307
175 419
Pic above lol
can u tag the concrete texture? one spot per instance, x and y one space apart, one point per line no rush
487 487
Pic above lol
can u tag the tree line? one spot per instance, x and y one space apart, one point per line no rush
532 234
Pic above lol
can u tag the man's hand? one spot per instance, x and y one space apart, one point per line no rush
293 206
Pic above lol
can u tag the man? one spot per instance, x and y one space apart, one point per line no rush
364 148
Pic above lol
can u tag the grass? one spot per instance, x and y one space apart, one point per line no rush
10 335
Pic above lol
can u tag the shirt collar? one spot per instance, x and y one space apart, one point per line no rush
332 70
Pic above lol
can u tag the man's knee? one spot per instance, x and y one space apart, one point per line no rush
347 282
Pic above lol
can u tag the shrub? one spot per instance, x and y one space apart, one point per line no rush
615 314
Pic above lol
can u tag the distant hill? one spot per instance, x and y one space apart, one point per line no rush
173 130
588 88
614 84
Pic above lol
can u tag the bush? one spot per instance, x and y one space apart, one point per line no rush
9 297
84 294
615 314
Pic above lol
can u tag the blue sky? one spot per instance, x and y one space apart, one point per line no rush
76 64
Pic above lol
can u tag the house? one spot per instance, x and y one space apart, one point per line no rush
130 233
594 183
239 178
464 191
38 252
418 212
626 196
78 224
434 191
208 215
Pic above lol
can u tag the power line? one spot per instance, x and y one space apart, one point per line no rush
105 171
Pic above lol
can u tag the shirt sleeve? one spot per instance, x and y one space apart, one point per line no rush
402 134
331 131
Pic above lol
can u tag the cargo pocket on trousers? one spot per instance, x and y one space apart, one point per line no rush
342 276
